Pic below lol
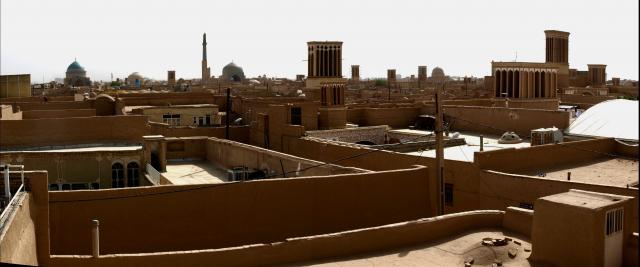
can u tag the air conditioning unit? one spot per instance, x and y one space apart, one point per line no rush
238 174
545 136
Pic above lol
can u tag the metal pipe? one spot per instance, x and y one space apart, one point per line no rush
7 190
95 239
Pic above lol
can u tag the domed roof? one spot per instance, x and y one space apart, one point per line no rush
232 72
616 118
135 75
231 66
437 72
75 66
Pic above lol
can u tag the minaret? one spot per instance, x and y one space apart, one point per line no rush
205 68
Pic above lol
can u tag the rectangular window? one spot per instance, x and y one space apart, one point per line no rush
171 119
448 194
296 116
613 221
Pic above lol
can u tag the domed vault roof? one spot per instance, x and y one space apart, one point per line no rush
75 66
232 72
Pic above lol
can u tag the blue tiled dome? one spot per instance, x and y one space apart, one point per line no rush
75 66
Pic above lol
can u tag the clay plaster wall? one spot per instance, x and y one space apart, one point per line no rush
545 156
18 238
494 120
231 154
61 131
236 133
473 187
65 113
297 250
174 218
62 105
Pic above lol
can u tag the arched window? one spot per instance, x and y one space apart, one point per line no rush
117 175
133 174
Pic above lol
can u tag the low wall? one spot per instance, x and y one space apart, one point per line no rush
65 113
308 248
236 133
18 239
473 187
374 134
584 99
397 117
497 190
518 220
190 217
230 154
494 120
543 156
28 106
64 131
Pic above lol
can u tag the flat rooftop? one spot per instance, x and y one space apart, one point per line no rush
465 152
194 172
606 171
451 251
585 199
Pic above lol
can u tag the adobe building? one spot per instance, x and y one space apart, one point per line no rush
198 115
582 221
18 85
524 80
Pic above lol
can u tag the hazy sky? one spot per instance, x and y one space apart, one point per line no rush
42 37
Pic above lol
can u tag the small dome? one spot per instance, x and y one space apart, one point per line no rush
232 72
75 66
509 138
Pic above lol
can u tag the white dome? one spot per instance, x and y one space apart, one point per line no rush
613 118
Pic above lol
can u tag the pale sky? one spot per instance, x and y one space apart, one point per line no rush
42 37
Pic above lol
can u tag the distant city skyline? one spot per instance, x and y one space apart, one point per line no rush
269 37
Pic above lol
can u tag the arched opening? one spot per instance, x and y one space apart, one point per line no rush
133 174
496 82
365 142
117 175
510 84
543 84
516 83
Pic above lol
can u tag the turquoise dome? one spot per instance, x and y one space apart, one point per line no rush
75 66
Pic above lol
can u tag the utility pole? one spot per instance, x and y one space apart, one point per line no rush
440 148
228 114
